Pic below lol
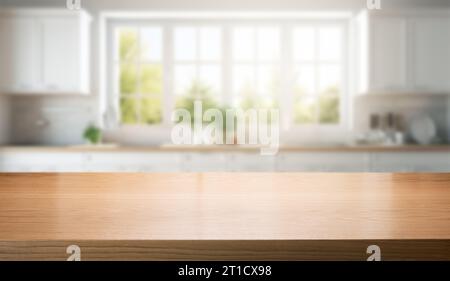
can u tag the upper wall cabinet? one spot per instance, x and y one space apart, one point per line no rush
404 52
430 49
44 52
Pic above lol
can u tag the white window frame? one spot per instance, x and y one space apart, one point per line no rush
197 62
286 24
346 94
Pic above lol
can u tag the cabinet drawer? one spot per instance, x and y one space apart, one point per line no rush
132 162
410 162
323 162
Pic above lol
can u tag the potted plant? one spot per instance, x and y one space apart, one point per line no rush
93 134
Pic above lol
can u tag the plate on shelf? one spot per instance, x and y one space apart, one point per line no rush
422 129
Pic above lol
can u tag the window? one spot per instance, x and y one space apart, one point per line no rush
256 66
139 68
197 66
298 66
318 74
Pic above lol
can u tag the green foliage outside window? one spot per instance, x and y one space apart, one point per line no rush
140 84
323 109
197 92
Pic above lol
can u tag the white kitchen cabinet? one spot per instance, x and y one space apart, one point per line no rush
251 162
403 52
132 162
41 162
53 29
322 162
205 162
46 51
388 66
397 162
19 54
431 53
390 162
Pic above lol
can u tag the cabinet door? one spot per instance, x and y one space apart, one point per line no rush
61 58
204 162
397 162
431 54
251 162
19 162
323 162
388 70
19 53
132 162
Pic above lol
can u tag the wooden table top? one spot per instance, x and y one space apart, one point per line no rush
224 206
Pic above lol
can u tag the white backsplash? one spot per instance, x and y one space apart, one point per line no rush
50 120
405 105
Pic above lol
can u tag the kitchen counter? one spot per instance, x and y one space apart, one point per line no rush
226 148
221 216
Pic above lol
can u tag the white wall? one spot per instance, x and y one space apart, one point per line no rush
50 120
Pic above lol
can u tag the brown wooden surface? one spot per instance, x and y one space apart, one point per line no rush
227 250
224 215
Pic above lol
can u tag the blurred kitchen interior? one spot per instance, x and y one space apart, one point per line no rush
378 100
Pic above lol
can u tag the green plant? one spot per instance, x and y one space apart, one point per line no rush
197 92
92 134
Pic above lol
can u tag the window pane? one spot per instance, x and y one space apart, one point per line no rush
305 80
268 81
329 79
211 77
184 78
329 109
127 44
197 91
305 110
151 43
185 43
330 42
244 43
304 43
151 79
210 44
244 81
150 110
128 78
268 43
129 109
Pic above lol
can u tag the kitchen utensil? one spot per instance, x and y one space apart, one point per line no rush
422 129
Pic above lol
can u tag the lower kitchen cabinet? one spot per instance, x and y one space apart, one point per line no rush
410 162
132 162
323 162
251 162
41 162
204 162
359 161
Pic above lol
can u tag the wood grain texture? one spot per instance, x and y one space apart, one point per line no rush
269 212
227 250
